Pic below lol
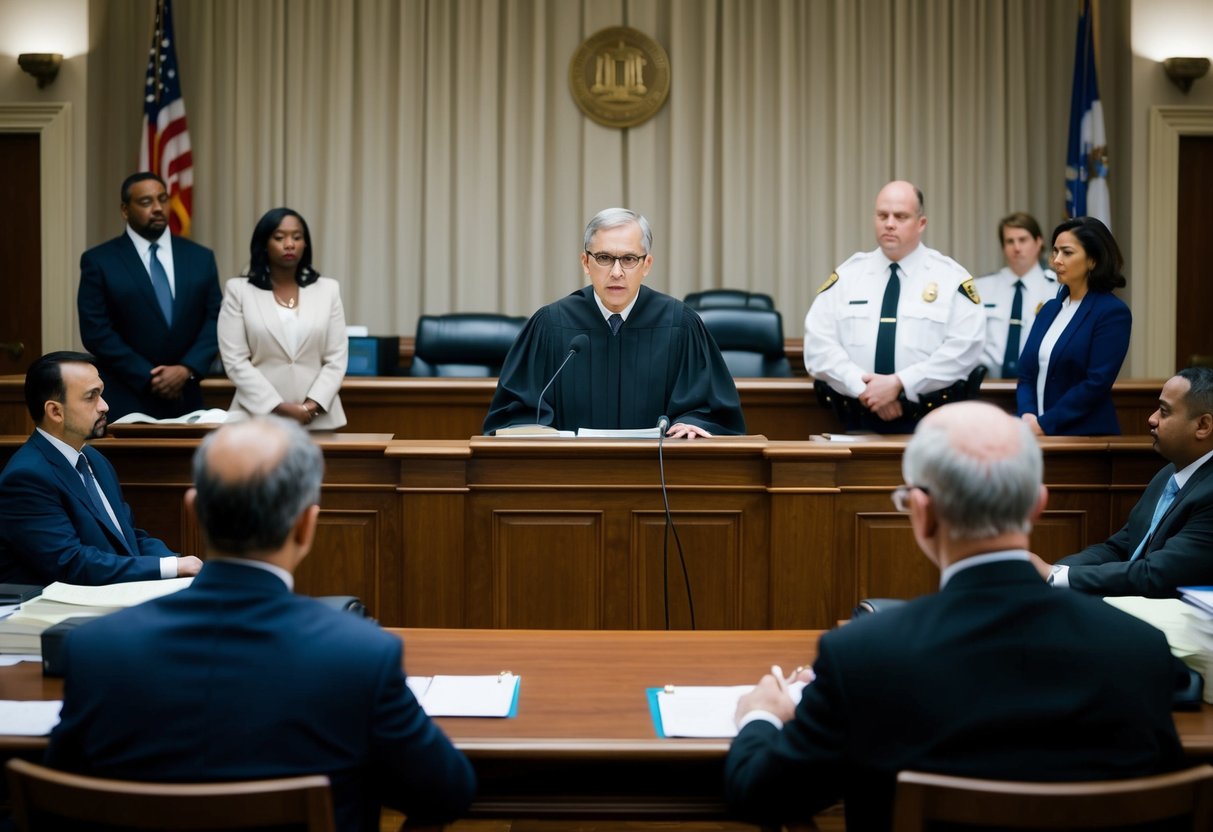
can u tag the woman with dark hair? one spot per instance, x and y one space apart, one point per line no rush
1079 339
282 329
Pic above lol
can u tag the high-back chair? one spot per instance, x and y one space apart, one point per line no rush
45 799
751 341
463 344
730 298
923 799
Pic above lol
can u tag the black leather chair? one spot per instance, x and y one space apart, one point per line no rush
728 298
464 344
751 341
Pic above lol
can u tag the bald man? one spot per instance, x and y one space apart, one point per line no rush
894 332
237 677
994 676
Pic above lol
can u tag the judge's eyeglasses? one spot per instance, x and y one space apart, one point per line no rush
607 261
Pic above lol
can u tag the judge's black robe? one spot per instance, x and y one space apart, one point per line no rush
663 362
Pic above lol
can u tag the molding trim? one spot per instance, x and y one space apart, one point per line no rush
53 124
1167 125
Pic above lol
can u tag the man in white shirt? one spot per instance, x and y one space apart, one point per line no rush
62 515
1168 541
1013 295
894 332
994 676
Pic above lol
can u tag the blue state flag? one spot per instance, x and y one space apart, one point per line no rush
1087 149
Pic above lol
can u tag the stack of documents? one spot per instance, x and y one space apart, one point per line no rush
21 631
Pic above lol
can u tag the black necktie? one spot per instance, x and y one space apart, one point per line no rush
90 485
164 294
1010 358
886 336
615 321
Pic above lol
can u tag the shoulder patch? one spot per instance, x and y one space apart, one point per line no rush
969 290
830 281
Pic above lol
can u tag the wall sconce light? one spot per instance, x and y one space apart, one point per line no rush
1183 71
45 65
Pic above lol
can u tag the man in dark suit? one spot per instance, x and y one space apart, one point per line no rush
148 304
994 676
237 677
62 516
1168 541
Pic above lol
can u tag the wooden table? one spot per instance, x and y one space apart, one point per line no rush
583 743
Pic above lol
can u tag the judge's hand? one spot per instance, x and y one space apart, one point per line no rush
1030 418
188 566
168 380
881 391
1043 568
771 695
680 430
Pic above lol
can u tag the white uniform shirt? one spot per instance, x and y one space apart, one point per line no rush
997 294
940 329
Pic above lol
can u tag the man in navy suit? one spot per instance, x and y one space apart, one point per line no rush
994 676
1168 541
237 677
148 304
62 516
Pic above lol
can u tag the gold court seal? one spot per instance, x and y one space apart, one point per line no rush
620 77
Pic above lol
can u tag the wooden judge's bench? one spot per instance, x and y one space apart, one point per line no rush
570 534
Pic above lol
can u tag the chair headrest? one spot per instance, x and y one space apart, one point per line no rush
753 330
466 338
717 298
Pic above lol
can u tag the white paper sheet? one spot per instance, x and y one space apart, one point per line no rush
489 696
33 718
706 712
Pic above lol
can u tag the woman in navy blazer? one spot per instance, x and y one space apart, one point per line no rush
1079 338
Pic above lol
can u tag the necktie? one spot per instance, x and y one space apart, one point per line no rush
1010 358
615 321
90 485
886 336
1164 503
164 295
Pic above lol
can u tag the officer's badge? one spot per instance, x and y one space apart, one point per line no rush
833 278
931 292
969 290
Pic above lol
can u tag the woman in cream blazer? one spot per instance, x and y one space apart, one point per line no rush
282 329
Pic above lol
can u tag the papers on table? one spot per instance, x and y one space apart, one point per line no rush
542 431
1187 626
211 416
19 718
704 712
493 696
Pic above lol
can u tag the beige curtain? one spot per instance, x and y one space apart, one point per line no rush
437 154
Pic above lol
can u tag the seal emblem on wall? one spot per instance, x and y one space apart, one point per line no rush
620 77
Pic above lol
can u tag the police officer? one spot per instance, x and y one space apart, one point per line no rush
1013 295
894 332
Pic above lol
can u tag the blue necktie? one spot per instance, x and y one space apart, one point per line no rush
164 294
615 321
886 335
1164 503
90 485
1010 358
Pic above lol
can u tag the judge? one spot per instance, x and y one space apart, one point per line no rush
644 355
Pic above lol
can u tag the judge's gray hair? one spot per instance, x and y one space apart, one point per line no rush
613 218
978 497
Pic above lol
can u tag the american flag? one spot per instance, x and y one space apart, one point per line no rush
165 148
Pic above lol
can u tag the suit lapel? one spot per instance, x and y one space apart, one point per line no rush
1063 342
267 308
137 272
69 478
113 493
1193 489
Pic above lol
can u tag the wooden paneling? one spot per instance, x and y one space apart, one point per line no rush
569 534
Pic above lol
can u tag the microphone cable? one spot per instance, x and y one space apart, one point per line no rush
576 345
663 424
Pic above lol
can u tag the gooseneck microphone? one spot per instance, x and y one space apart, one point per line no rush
576 345
663 425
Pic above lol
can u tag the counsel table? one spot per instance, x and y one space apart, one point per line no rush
583 743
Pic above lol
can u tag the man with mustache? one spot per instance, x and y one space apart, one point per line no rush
62 516
148 304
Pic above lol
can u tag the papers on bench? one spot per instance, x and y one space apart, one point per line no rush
703 712
544 431
493 696
20 718
211 416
